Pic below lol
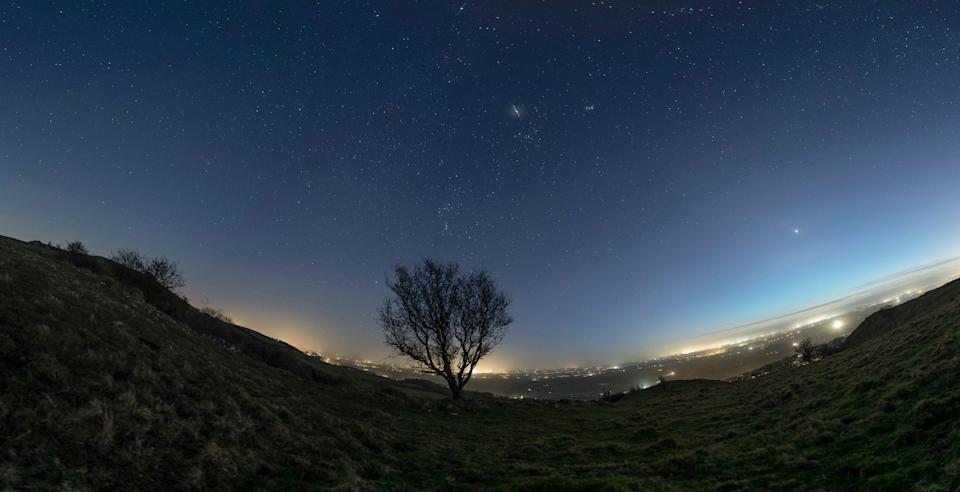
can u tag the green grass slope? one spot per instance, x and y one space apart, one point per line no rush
109 384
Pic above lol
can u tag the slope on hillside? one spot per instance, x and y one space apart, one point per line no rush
928 304
273 352
106 388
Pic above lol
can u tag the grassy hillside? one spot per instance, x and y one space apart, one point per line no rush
110 383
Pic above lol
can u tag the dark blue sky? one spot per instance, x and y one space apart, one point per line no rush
633 173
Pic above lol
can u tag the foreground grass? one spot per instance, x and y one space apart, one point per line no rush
103 390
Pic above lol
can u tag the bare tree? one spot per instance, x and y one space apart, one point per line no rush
446 322
165 272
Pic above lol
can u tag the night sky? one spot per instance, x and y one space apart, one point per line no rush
632 173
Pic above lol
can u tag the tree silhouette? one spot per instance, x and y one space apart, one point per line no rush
216 313
806 350
165 272
131 259
444 321
77 247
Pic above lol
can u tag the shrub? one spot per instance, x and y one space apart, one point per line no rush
131 259
164 271
832 347
806 350
76 247
216 313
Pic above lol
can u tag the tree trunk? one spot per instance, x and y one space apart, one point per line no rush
455 389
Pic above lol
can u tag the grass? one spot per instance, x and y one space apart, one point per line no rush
110 384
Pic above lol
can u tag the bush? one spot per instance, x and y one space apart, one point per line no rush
806 350
131 259
164 271
832 347
77 247
216 313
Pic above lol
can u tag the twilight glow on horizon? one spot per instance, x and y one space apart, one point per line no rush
634 175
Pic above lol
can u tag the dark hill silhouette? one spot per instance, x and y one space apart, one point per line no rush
111 383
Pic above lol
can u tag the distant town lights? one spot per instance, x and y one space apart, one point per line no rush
837 324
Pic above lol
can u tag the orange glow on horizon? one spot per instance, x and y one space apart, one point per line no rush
291 331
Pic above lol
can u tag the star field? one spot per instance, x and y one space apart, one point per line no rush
631 172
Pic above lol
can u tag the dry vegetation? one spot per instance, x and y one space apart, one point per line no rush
109 384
